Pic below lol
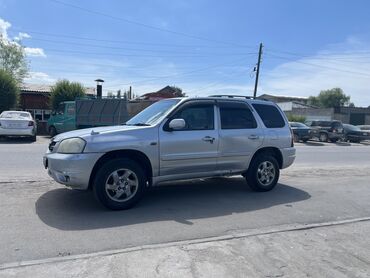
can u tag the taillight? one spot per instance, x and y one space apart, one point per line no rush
291 138
30 123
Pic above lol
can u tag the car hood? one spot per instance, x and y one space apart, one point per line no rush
87 132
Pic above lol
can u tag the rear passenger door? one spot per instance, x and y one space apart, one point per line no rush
277 133
239 135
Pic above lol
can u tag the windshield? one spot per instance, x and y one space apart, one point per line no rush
15 114
352 127
154 113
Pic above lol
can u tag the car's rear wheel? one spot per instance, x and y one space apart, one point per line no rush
33 138
323 137
263 173
119 184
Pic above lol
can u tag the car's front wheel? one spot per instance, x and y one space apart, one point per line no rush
263 173
119 184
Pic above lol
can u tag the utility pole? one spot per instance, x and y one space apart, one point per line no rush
258 70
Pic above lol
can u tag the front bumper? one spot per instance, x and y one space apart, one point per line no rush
72 170
288 156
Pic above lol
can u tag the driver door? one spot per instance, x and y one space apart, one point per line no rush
193 150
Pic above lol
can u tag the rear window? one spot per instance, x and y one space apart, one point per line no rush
236 116
270 115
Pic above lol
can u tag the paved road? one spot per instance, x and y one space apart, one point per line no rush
41 219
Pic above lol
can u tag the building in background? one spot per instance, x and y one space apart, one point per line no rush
299 106
166 92
35 98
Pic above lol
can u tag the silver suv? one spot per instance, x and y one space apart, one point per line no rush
175 139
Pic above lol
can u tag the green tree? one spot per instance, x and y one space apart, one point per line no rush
330 98
296 118
64 90
178 91
8 91
13 59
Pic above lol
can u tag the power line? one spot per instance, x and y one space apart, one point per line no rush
319 66
122 48
143 24
123 41
174 75
145 55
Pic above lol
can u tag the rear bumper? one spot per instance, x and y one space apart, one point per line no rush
17 132
288 156
72 170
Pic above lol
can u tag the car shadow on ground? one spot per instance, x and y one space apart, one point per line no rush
66 209
342 143
313 143
16 140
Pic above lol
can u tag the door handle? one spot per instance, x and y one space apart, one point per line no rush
253 137
208 139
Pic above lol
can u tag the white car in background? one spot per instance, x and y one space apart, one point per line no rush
17 123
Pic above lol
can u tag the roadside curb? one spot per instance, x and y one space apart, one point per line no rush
251 233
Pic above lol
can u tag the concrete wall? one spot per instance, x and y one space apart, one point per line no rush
312 114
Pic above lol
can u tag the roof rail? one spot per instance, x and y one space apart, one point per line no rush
234 96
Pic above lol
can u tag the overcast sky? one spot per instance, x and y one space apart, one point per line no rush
203 46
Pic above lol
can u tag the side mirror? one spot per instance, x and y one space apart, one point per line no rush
177 124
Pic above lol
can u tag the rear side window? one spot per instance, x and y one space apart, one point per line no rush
236 116
270 115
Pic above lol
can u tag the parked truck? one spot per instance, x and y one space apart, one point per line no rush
85 113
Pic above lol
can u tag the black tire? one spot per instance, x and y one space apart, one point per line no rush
334 140
296 138
33 138
104 175
304 140
52 131
252 176
323 137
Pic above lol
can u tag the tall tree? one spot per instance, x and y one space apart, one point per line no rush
13 59
8 91
178 91
330 98
64 90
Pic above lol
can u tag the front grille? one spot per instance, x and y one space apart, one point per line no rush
52 145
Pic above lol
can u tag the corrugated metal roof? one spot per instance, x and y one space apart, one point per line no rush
42 88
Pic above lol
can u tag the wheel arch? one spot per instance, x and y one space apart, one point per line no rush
134 155
275 152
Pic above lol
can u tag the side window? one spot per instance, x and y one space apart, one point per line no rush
236 116
270 115
197 116
60 109
70 110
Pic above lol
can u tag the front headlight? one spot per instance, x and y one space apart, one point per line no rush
71 145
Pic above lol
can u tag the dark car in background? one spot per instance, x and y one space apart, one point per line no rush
301 131
355 134
327 130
